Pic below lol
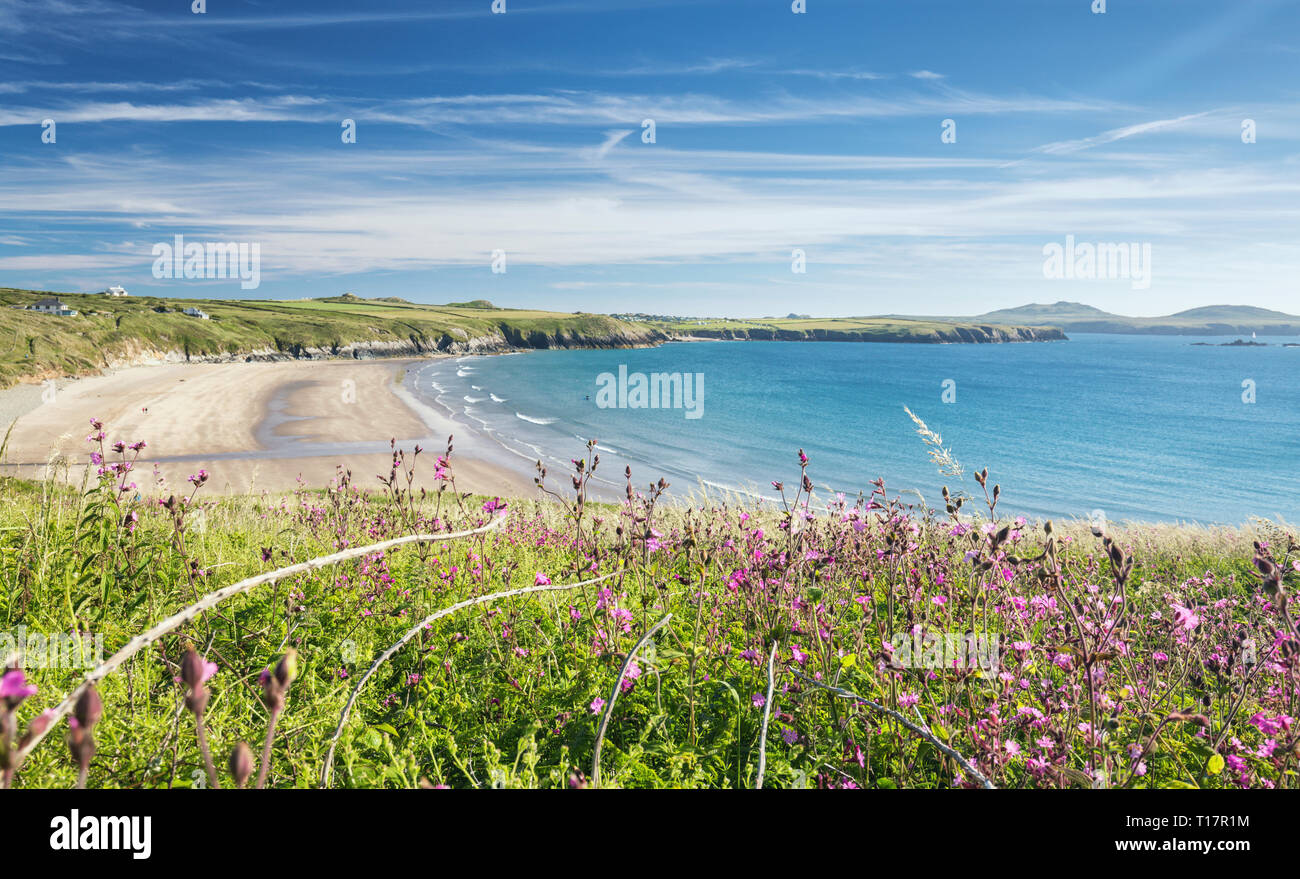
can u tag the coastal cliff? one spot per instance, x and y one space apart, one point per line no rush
117 333
949 335
130 352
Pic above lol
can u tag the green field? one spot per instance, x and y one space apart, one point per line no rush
727 645
855 329
860 324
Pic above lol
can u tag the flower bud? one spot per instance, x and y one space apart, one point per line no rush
81 742
40 723
272 692
192 668
89 708
241 763
287 668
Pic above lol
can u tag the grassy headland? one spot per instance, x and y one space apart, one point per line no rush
110 332
855 329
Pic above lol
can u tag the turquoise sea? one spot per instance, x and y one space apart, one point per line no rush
1140 427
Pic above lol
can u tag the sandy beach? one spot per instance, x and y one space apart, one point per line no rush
252 426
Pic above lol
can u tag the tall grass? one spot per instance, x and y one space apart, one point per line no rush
1147 657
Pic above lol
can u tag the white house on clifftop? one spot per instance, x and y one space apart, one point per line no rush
52 306
115 291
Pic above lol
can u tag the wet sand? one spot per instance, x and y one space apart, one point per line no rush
252 426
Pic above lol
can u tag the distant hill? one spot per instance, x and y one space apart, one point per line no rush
1055 312
1209 320
1235 313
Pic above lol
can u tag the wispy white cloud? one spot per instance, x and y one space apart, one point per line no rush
293 108
317 212
1114 134
18 87
78 19
612 139
566 107
67 262
30 16
861 75
673 68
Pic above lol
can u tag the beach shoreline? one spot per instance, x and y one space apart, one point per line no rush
254 427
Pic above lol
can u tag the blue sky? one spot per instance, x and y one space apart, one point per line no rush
774 131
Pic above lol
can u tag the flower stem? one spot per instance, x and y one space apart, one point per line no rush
202 735
266 750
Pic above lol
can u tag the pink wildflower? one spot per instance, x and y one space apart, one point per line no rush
14 687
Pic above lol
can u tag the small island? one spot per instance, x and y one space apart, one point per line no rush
1236 343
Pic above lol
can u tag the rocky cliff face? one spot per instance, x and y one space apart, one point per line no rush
957 335
132 352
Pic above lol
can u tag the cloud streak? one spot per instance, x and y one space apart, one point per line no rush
561 107
1116 134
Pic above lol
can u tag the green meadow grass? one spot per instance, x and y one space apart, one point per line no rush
510 693
849 328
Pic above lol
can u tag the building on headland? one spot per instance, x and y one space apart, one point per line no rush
114 291
195 312
52 306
